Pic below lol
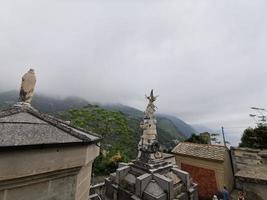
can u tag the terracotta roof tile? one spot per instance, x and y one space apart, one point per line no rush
205 151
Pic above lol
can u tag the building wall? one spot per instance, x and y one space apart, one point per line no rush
59 185
255 191
49 173
253 159
222 170
83 182
245 156
205 178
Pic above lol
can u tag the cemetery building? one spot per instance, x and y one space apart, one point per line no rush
209 165
250 171
150 176
43 157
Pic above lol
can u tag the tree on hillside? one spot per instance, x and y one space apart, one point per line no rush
118 143
255 138
196 139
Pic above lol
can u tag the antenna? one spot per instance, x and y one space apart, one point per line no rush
260 116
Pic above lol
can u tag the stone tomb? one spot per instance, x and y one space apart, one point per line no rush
150 176
42 157
166 182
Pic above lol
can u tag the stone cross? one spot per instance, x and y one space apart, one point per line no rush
27 86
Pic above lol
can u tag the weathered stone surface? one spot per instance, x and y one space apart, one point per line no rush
37 191
183 175
149 177
40 172
148 144
166 184
22 125
43 157
31 162
63 188
141 183
83 182
27 86
121 173
42 188
2 195
250 171
153 189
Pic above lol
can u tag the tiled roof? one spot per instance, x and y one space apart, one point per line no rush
205 151
253 172
22 125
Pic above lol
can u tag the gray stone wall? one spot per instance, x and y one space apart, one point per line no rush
254 191
250 172
47 174
244 156
59 185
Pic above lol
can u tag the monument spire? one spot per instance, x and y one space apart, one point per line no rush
150 176
148 146
27 87
151 108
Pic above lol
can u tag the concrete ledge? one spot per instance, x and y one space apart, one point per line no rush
19 182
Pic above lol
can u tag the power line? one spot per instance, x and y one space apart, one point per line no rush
260 116
234 127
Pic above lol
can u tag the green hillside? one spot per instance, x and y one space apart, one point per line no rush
118 124
182 127
44 103
168 127
173 126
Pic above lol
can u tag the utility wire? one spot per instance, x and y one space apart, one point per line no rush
234 127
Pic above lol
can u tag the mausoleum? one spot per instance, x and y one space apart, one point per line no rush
150 176
43 157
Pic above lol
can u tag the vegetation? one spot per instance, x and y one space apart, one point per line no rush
255 138
118 124
121 133
170 128
197 139
182 128
118 142
168 132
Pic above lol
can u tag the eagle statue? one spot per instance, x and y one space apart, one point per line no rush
27 86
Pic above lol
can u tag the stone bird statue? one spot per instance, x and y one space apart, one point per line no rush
27 86
151 98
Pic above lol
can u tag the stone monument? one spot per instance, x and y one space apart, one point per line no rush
150 177
27 87
41 156
149 155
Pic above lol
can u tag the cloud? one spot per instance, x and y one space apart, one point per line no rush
206 59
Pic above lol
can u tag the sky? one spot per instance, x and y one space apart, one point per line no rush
207 60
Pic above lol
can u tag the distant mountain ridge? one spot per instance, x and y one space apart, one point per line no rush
181 126
173 123
44 103
170 128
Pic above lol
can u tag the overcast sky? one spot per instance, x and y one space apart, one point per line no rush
206 59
